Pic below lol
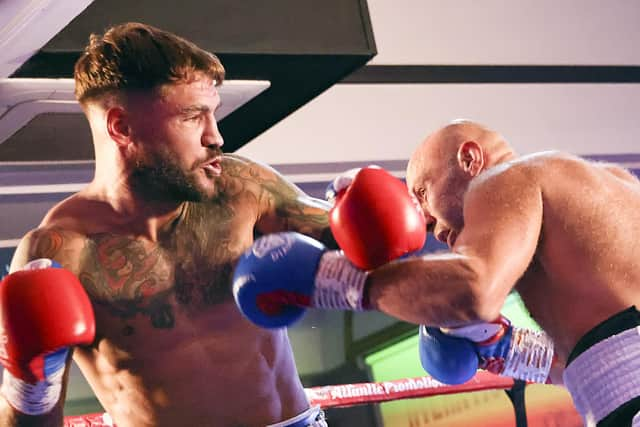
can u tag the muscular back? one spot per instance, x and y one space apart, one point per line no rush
585 267
171 346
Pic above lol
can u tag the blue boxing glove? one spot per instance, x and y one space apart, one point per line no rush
499 347
503 349
448 359
340 183
282 274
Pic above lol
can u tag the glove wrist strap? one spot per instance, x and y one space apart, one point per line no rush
32 399
530 356
338 284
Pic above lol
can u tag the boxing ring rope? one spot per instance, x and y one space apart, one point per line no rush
343 395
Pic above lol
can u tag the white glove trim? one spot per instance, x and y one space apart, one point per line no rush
339 284
32 399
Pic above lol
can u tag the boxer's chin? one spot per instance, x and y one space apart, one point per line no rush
204 186
196 186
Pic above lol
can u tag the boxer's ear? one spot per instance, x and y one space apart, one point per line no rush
118 126
471 158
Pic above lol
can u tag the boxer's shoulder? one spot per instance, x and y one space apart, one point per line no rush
549 163
510 176
548 167
528 171
243 178
68 232
49 241
79 215
240 167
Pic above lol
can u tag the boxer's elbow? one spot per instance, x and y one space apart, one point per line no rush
484 300
486 309
462 293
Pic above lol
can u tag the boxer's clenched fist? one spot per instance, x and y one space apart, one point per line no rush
374 219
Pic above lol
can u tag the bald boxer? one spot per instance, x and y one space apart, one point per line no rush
153 240
375 220
559 229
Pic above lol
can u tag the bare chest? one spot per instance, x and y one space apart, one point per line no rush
187 272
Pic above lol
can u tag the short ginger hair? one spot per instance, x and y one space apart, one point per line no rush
134 57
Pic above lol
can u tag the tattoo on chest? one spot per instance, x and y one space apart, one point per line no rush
190 271
204 256
130 278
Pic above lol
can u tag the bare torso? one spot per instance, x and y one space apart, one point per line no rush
585 268
171 347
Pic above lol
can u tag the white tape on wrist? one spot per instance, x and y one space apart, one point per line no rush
339 284
530 356
32 399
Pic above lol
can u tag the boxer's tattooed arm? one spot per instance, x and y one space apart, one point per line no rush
297 212
52 243
283 206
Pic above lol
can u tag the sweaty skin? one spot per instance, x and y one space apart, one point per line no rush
558 229
154 238
172 348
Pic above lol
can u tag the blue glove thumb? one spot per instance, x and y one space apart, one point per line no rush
448 359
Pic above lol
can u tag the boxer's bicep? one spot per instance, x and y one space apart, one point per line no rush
21 254
309 216
39 243
288 208
280 204
503 221
53 243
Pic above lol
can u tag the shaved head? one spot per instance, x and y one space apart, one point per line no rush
442 146
441 168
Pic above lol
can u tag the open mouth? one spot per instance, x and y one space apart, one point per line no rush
214 166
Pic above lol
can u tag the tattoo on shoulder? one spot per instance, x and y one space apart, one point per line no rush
46 243
54 243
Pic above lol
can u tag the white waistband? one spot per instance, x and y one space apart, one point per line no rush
312 411
606 375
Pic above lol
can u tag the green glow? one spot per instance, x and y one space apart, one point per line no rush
401 360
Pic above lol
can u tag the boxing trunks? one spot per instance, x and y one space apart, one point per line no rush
312 417
603 372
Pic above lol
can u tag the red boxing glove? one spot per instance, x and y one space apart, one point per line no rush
43 311
375 219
